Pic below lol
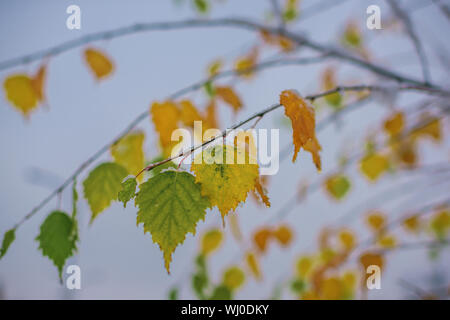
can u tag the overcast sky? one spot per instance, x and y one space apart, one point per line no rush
117 260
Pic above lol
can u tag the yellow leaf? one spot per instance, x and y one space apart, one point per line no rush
387 241
98 62
352 35
304 266
373 165
440 224
225 182
337 185
284 43
21 93
261 238
165 117
245 64
253 265
331 289
229 96
430 129
283 234
233 278
303 123
189 113
394 124
210 116
214 67
211 241
129 153
376 221
348 280
347 239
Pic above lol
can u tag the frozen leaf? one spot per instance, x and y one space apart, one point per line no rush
170 205
102 186
225 182
303 123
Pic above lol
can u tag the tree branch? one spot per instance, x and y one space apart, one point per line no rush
223 22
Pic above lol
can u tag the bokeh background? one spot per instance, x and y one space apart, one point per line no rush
116 258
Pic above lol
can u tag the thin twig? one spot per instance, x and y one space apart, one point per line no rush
223 22
402 15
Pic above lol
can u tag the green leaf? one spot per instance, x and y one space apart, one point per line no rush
210 90
56 238
173 294
158 169
8 238
103 185
337 186
128 190
170 205
202 6
221 292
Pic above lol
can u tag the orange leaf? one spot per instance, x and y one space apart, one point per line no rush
261 238
303 123
376 221
38 83
253 265
284 235
230 97
394 124
260 190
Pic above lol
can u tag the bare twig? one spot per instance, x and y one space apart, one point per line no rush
223 22
277 12
402 15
